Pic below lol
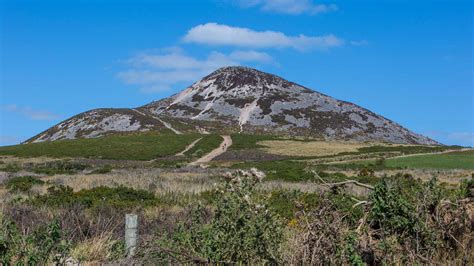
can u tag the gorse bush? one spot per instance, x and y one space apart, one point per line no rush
44 244
118 197
59 167
242 230
22 183
391 210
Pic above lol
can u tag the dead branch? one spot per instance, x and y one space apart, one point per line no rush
331 185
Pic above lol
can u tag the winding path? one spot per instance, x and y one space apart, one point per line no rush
166 124
225 144
190 146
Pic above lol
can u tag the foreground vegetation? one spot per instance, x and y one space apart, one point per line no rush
400 220
369 209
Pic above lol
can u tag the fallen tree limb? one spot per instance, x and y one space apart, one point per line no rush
357 183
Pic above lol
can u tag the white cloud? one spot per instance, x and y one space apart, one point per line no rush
178 60
292 7
30 113
219 34
159 71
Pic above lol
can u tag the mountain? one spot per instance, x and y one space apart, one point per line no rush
241 99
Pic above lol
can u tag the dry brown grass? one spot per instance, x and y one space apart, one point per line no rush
309 148
94 249
308 187
7 159
450 177
158 181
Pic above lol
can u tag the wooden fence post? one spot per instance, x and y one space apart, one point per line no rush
131 229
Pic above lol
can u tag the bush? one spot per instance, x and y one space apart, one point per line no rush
42 246
58 167
287 203
22 183
242 230
391 210
11 168
102 170
118 197
466 189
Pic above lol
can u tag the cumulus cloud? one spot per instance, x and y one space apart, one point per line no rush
30 113
291 7
159 71
220 34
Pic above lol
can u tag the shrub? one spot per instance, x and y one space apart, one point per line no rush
403 211
11 168
242 230
58 167
41 246
390 209
466 189
118 197
102 170
22 183
287 203
366 172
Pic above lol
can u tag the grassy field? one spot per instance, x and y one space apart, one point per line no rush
316 148
452 160
308 148
205 145
244 141
145 146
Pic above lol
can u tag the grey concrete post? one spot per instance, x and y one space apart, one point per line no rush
131 229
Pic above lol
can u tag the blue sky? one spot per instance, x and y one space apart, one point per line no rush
411 61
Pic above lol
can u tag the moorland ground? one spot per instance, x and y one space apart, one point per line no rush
319 202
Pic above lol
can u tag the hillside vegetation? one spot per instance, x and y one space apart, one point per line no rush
140 146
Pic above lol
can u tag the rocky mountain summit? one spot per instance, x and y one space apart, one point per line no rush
241 99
